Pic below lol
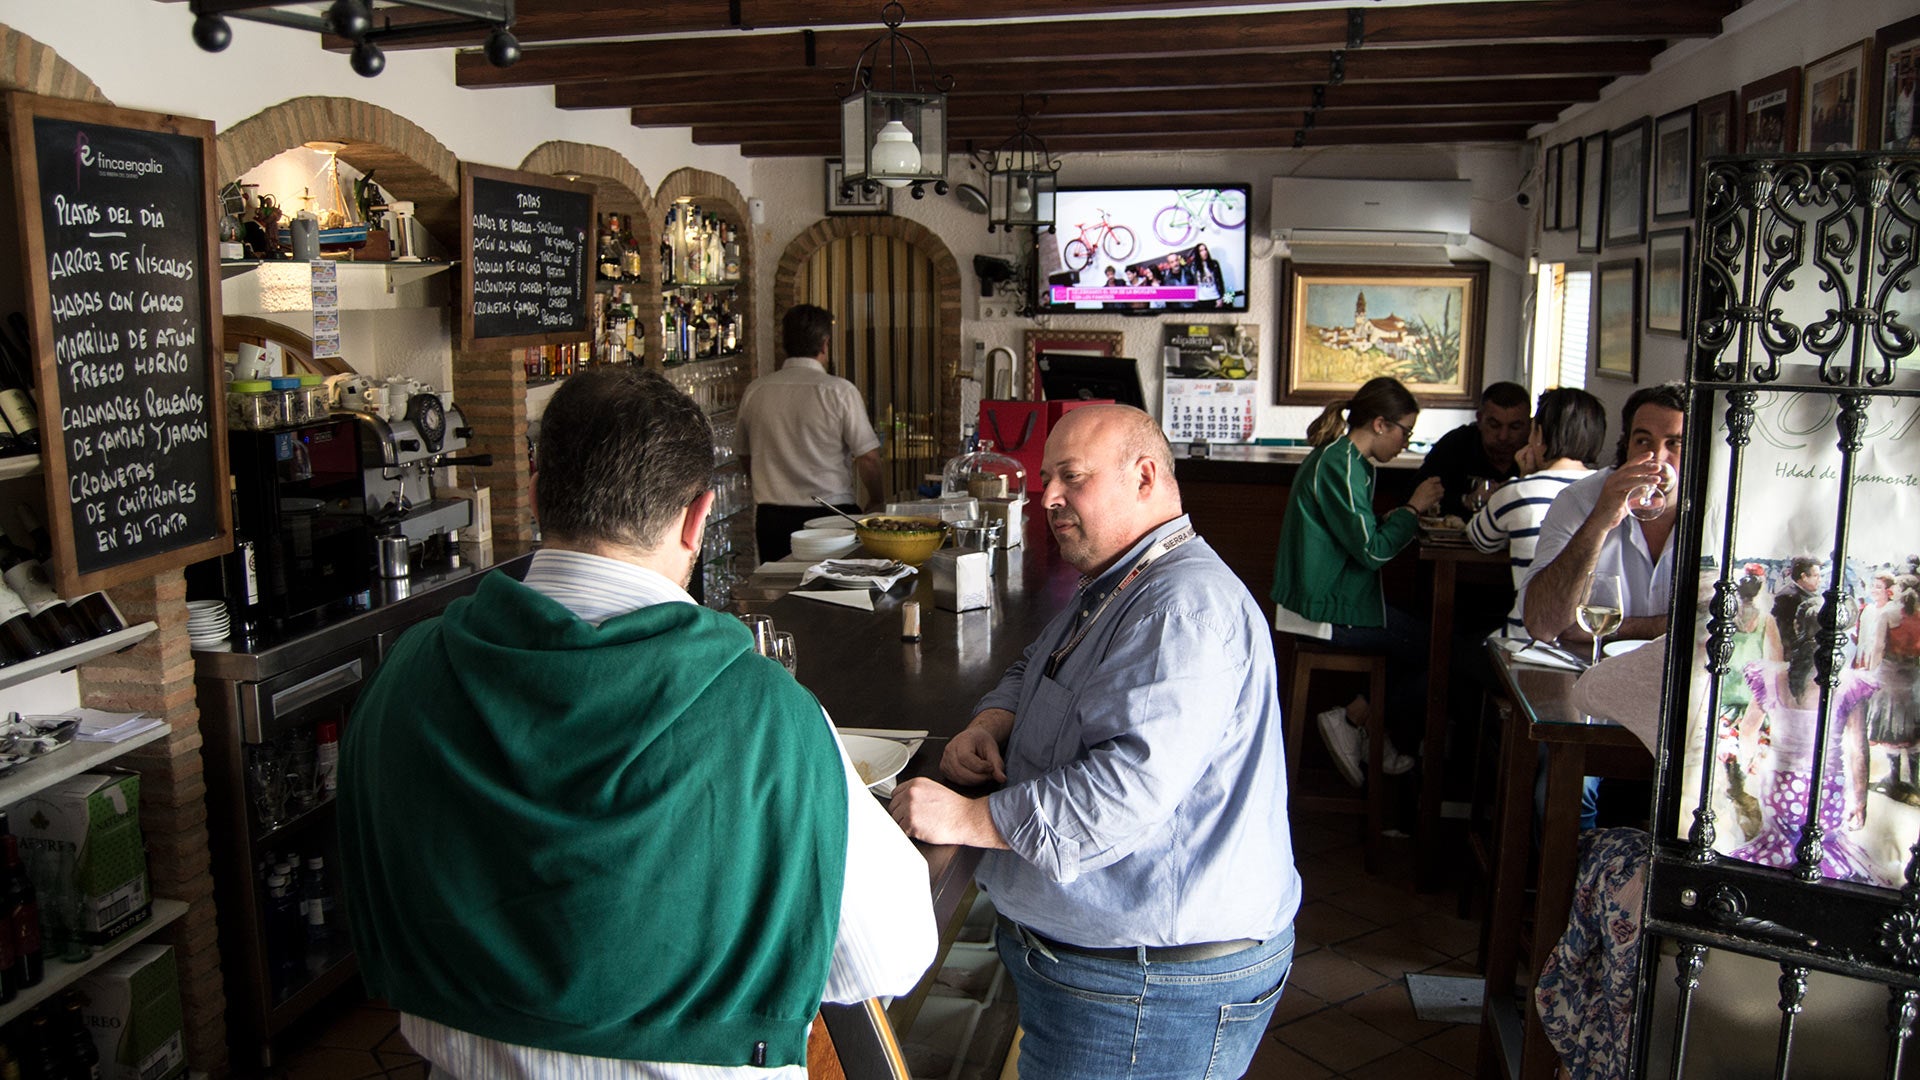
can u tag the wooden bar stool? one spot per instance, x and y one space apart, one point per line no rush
1309 656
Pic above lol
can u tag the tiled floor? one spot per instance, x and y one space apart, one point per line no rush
1345 1012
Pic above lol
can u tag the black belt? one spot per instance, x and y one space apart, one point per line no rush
1204 950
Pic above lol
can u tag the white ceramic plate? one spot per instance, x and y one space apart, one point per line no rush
1621 647
877 760
831 521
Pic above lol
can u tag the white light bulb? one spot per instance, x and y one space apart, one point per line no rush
894 152
1022 198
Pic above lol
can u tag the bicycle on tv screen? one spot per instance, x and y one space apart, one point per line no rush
1145 251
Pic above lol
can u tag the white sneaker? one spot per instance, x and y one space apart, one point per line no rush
1346 743
1395 763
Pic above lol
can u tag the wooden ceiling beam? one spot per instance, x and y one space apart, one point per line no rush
1366 65
1117 39
1410 96
1253 139
984 133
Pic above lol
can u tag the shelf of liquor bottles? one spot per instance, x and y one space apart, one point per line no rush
72 656
61 974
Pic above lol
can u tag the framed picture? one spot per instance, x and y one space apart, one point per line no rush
1715 121
1616 320
1896 77
1593 175
1673 165
1667 282
1627 183
1832 95
1770 113
1343 325
1571 154
1550 190
860 202
1078 342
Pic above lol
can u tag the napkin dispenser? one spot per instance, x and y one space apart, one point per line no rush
962 579
1012 516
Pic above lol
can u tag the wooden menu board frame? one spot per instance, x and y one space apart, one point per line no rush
144 546
470 267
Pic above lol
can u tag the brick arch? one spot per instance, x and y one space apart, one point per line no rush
946 274
411 163
620 190
33 66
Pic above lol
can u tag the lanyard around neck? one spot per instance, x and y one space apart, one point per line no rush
1164 545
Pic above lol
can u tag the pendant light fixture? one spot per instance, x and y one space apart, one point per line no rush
1022 178
354 20
893 122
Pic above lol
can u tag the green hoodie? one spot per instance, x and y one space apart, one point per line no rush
624 841
1332 545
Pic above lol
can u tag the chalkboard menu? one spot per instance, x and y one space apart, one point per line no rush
526 257
115 220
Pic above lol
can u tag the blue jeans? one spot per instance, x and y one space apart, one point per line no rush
1403 641
1095 1019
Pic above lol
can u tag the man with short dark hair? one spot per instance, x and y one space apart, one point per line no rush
1803 584
803 433
1588 528
585 829
1139 854
1484 449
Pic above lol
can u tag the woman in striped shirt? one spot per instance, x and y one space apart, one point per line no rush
1569 432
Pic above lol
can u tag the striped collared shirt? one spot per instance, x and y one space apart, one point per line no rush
1512 518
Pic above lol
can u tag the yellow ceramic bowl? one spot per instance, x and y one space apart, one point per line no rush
908 539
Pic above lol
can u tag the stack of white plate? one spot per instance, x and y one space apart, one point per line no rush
207 622
831 521
814 545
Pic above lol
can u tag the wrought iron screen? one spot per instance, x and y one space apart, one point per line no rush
1788 795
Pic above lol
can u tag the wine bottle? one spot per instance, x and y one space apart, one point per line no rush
96 613
23 910
83 1056
16 388
18 638
25 575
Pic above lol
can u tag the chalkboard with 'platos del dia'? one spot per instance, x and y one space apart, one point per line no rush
115 220
526 244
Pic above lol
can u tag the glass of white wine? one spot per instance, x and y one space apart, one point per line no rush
1600 611
1479 491
1649 501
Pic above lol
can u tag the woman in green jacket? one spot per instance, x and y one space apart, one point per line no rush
1326 575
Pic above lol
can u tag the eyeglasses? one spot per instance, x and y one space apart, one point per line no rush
1405 431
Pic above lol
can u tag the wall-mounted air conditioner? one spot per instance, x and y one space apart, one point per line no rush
1377 221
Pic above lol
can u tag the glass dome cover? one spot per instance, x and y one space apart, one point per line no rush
984 474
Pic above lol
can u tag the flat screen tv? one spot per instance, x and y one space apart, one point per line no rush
1145 250
1071 376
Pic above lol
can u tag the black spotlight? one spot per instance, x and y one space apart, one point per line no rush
367 59
350 19
212 33
502 47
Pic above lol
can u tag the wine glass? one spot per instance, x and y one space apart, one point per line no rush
1649 501
1479 490
1599 611
783 651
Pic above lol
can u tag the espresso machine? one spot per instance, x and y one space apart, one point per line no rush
401 445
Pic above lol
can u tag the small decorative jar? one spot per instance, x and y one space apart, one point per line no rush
253 406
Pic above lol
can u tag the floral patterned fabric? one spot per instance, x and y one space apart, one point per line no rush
1586 990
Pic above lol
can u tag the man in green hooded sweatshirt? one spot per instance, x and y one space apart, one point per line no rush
586 830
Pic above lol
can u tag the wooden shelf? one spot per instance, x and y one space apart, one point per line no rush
70 760
708 286
398 273
74 655
19 465
62 974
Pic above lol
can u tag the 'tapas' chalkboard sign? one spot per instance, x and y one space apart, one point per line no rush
526 257
116 217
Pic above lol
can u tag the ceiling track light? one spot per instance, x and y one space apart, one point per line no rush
354 21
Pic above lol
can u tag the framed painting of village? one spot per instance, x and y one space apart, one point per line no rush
1343 325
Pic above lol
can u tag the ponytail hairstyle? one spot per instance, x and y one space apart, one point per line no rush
1381 397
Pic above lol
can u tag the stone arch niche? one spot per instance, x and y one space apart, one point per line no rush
412 163
154 676
705 188
29 64
620 189
946 272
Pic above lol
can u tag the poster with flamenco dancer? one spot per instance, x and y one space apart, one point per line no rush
1780 755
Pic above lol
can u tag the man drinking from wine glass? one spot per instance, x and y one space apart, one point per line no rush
1594 526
